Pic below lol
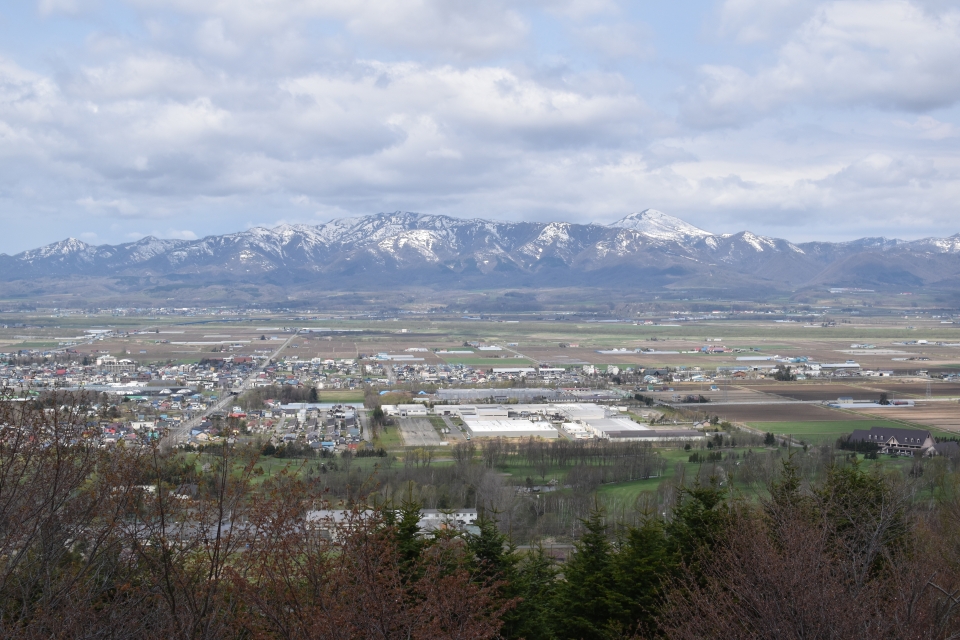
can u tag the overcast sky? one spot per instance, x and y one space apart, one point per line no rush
182 118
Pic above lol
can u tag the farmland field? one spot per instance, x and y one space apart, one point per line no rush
934 415
826 392
488 362
917 389
785 412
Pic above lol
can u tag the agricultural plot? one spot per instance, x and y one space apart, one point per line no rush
787 412
823 392
943 416
488 362
915 389
725 393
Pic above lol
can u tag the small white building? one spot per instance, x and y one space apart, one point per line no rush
411 411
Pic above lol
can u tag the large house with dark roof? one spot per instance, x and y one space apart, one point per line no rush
895 439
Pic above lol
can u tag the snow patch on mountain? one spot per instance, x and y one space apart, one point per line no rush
758 242
421 241
660 226
942 245
61 249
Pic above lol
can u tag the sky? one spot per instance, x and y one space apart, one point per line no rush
798 119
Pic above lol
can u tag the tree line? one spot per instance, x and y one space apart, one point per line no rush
127 542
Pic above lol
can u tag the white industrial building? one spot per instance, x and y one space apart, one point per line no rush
492 428
603 427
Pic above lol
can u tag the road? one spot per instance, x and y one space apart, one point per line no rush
520 355
182 433
456 433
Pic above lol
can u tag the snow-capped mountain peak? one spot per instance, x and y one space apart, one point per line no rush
60 249
660 226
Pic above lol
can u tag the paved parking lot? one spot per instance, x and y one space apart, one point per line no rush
418 432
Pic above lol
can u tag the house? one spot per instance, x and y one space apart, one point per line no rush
895 440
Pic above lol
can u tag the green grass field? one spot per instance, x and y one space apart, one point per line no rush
341 396
825 429
630 490
388 438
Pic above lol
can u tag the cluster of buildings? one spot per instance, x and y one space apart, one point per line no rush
578 420
331 521
318 427
321 373
100 371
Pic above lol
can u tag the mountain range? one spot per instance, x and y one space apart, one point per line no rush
648 250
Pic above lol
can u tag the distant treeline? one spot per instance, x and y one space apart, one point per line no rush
255 399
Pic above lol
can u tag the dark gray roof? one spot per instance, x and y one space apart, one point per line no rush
903 436
950 449
654 433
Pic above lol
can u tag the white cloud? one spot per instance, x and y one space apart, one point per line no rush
930 128
211 38
460 27
176 234
879 170
751 21
618 40
69 7
120 206
887 53
141 75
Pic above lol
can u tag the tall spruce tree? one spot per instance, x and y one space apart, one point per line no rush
588 604
534 588
643 568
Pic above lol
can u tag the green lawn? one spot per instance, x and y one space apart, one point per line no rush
388 438
630 490
337 395
829 428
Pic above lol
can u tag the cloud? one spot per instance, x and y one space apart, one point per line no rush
69 7
752 21
820 118
212 39
176 234
454 27
617 40
122 207
930 128
879 170
377 125
888 53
